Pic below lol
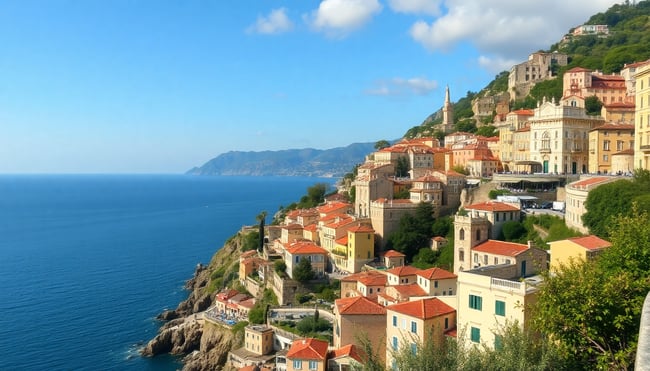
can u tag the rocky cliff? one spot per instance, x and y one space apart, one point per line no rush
204 345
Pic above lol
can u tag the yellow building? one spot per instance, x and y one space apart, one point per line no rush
354 250
258 339
416 321
356 315
307 354
576 248
606 140
642 118
490 298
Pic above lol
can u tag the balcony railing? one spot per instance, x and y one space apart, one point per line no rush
645 148
505 284
545 150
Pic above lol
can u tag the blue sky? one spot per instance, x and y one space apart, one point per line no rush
147 86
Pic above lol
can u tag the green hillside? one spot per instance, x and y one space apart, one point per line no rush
628 42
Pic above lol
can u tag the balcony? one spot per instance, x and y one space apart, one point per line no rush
576 149
646 148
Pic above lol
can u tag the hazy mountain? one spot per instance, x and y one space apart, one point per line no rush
333 162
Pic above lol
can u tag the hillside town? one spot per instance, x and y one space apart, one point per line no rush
549 157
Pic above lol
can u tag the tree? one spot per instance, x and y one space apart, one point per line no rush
382 144
460 169
425 258
487 131
261 218
303 271
593 105
280 267
402 167
414 231
593 308
441 226
513 231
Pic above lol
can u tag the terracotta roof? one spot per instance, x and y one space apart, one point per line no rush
371 276
248 303
308 349
501 248
342 221
624 152
590 181
361 229
524 129
373 280
349 350
591 242
452 333
409 290
578 69
428 178
305 247
439 239
247 254
407 270
359 305
387 297
492 206
523 112
292 226
393 254
422 309
333 206
614 126
342 241
627 105
226 294
311 227
253 368
436 274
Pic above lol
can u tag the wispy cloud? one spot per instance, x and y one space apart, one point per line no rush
339 17
431 7
275 22
402 87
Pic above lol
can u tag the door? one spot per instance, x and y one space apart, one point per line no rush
574 167
545 170
523 268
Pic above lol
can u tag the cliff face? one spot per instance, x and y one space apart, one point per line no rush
185 332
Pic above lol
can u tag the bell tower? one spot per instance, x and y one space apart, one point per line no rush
468 232
447 113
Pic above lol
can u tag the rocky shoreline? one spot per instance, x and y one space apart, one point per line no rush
203 345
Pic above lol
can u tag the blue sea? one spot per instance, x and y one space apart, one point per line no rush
88 261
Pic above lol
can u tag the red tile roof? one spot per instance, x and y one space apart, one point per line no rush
422 309
311 227
624 152
342 241
591 242
523 112
578 69
436 274
409 290
359 305
308 349
349 350
501 248
333 206
393 254
614 126
406 270
373 279
492 206
590 181
361 229
305 247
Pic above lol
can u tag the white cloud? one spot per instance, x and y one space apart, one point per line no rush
496 64
505 29
402 87
416 6
339 17
276 22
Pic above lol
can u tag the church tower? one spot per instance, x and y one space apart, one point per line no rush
468 232
447 114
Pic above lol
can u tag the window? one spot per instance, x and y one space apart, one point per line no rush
297 364
414 348
461 234
500 308
496 261
395 344
394 321
461 255
475 334
606 144
605 157
498 342
414 327
435 284
475 258
313 365
475 302
446 323
485 259
619 145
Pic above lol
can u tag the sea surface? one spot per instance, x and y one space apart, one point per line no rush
88 261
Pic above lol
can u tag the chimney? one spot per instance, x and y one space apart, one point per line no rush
530 244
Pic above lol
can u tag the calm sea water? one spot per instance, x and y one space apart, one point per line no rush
87 262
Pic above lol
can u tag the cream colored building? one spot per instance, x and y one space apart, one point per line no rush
427 188
538 67
416 321
642 118
606 140
437 282
367 283
559 138
515 120
258 339
623 162
489 298
372 182
576 195
576 249
297 251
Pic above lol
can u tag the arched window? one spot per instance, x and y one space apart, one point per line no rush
461 234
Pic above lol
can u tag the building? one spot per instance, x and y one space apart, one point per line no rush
346 358
402 275
575 249
437 282
413 322
606 140
428 189
447 113
642 118
591 29
496 213
558 138
372 182
367 283
307 354
623 162
393 258
491 297
515 120
576 196
297 251
385 215
332 230
582 83
540 66
258 339
356 318
356 249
